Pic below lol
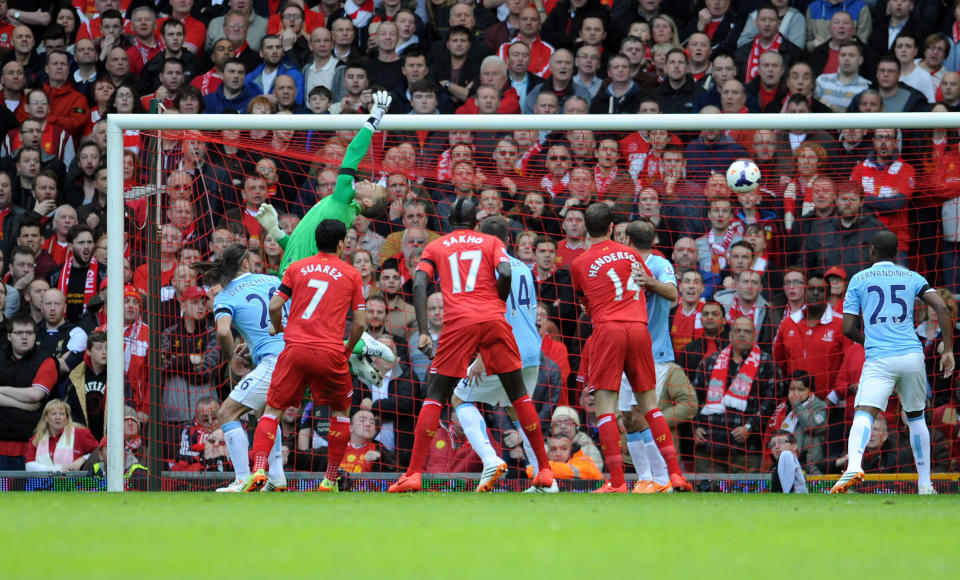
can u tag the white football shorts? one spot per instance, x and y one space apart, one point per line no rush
251 391
489 390
906 374
627 399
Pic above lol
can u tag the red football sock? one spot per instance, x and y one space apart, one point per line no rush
663 439
424 432
263 441
337 439
610 445
530 422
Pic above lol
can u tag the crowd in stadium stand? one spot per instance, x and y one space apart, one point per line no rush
761 275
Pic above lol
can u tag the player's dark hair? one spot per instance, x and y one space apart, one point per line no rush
329 234
223 269
641 234
380 203
816 274
463 214
884 242
598 219
805 378
496 226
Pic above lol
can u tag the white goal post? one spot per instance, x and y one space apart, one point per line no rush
118 123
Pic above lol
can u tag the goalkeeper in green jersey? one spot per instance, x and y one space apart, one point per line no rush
349 198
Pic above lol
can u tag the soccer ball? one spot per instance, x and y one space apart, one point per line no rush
743 176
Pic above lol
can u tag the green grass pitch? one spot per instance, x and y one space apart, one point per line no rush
463 535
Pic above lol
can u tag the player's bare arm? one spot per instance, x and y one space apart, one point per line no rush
225 337
661 289
944 319
503 281
851 328
420 282
356 330
476 371
276 313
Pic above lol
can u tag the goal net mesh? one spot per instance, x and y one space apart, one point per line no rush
765 260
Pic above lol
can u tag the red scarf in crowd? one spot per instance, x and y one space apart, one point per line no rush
753 65
955 32
89 286
737 310
719 396
602 182
760 264
136 339
718 250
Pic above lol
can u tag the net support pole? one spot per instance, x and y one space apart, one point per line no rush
115 370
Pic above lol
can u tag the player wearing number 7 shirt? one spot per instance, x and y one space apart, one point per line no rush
885 293
322 289
467 264
620 343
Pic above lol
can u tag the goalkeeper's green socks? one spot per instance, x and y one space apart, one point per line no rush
357 348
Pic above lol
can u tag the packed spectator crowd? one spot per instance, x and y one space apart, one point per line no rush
761 275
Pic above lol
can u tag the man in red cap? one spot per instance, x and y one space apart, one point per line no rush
191 363
136 336
836 287
812 340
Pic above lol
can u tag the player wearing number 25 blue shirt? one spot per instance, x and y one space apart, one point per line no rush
884 295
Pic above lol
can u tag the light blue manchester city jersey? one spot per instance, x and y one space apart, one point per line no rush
884 294
246 299
658 309
522 312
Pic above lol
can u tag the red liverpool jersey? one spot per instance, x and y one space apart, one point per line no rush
465 262
885 181
322 290
601 276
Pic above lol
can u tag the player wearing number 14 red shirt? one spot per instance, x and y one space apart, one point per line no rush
604 280
322 289
474 273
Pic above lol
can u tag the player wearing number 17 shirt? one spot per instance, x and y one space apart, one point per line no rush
475 277
603 281
322 290
885 294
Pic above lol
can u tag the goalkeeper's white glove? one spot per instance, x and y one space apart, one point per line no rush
381 102
267 217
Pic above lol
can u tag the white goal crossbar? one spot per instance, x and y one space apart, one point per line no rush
118 123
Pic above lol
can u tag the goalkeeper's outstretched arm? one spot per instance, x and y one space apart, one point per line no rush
357 150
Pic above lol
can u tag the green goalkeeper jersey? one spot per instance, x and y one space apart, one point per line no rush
302 242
